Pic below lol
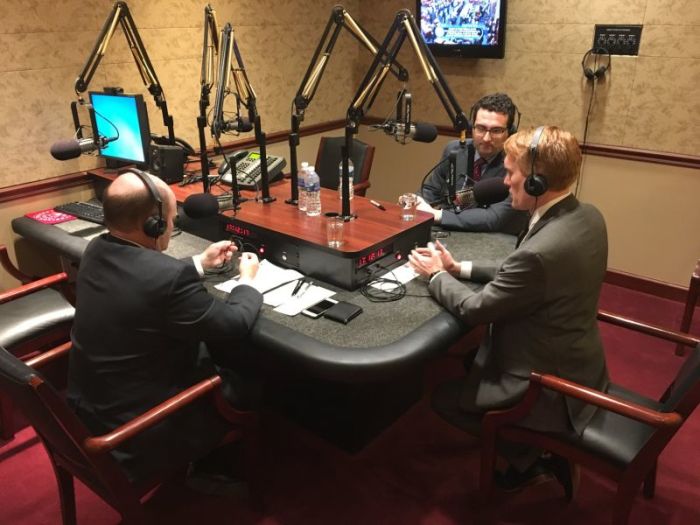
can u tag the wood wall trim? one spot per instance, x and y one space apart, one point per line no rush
283 135
29 189
601 150
646 285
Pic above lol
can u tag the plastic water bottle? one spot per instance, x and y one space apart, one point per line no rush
351 172
313 193
301 185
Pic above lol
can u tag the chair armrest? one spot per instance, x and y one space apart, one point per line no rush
111 440
26 289
649 329
497 418
49 356
11 268
612 403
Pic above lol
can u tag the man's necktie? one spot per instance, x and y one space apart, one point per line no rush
478 166
521 236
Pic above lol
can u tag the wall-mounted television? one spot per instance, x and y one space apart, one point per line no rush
464 28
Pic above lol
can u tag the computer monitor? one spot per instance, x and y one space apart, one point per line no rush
122 117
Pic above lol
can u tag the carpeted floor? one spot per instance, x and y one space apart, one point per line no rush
419 471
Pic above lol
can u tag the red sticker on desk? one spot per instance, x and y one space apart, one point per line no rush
50 216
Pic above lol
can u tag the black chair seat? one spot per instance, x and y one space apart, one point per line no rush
614 437
31 316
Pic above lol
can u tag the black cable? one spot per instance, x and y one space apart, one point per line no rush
591 100
430 171
377 295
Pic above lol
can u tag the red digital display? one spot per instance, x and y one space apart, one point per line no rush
237 229
373 256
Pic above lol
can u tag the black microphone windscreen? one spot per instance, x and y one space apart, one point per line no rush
424 132
201 205
66 149
244 125
490 191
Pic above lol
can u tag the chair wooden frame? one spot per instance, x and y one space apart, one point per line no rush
36 344
95 467
641 470
690 303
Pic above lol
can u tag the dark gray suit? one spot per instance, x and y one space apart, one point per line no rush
141 317
498 217
541 306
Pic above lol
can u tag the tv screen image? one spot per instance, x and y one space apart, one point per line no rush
467 28
123 116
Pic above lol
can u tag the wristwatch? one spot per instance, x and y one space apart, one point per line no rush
430 278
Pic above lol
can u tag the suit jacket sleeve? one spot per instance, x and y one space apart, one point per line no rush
517 289
498 217
193 312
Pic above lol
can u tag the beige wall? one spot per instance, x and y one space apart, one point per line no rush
45 44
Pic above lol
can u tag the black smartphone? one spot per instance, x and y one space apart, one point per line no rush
317 309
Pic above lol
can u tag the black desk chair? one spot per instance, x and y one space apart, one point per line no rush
33 318
329 157
74 452
690 302
625 437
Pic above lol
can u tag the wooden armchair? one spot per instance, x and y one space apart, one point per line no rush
624 438
74 452
690 303
33 317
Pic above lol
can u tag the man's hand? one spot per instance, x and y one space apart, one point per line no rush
448 262
424 206
427 261
217 254
248 267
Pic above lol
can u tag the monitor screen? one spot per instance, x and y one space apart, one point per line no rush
124 118
464 28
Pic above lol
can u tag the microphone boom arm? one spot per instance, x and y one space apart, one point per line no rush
339 19
245 96
404 25
121 15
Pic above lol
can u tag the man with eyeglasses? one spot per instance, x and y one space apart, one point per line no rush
493 118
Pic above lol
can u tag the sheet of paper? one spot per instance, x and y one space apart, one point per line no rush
402 274
269 276
311 296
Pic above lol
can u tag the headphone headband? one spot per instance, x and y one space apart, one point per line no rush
513 115
153 226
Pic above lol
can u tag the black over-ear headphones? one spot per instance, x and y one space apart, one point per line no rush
596 71
535 183
154 226
513 116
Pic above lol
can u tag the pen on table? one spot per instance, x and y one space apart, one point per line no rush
376 204
305 288
297 287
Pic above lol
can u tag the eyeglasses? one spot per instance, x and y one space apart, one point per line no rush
495 132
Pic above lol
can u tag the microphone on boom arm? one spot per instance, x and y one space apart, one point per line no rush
401 128
73 148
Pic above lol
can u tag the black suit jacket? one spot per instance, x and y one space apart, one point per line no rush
141 317
498 217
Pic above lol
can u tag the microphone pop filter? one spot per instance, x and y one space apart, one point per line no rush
66 149
201 205
490 191
424 132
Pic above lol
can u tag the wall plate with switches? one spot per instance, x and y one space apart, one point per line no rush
618 39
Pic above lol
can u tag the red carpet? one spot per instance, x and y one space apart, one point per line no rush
420 471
